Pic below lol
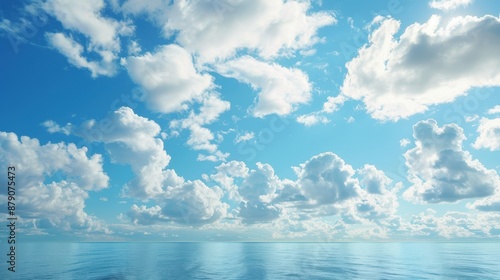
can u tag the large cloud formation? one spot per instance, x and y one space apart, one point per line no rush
201 138
281 89
429 64
189 203
53 181
133 140
327 179
168 77
325 186
85 18
441 171
218 29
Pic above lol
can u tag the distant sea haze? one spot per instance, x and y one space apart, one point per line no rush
256 261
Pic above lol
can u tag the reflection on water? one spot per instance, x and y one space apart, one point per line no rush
256 261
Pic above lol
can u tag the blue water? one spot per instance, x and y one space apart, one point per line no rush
256 261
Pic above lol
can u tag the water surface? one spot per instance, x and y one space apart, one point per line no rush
256 261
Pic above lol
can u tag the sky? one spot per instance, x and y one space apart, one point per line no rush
251 120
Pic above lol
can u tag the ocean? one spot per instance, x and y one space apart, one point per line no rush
255 261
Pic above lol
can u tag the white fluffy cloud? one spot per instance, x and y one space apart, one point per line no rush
85 17
260 184
102 33
226 175
55 180
448 4
374 180
326 187
133 140
255 211
376 202
257 192
441 171
327 179
189 203
168 77
201 138
217 29
489 134
454 225
430 64
281 89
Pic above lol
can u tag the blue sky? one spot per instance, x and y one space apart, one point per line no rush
252 120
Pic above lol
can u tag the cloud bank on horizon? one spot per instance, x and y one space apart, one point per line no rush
252 120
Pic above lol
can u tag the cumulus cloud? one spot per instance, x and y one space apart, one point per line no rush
254 190
260 184
226 175
255 211
218 29
142 215
84 17
168 77
194 203
453 224
489 134
377 202
327 179
56 179
441 171
257 192
326 186
374 180
281 89
201 138
189 203
133 140
429 64
448 4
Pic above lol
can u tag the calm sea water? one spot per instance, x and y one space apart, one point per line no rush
256 261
